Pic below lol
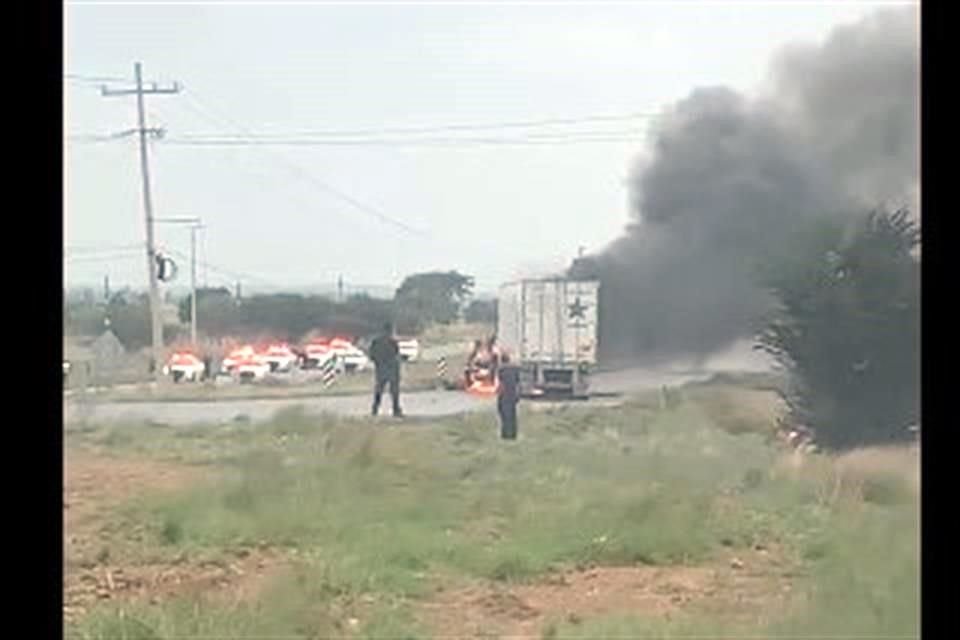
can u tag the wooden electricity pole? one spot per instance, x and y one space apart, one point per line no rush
156 321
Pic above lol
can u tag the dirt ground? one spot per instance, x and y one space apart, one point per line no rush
95 484
745 588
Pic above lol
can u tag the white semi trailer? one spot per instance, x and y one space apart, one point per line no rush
549 329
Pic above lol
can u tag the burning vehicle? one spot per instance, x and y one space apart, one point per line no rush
317 352
251 368
351 357
236 356
184 366
280 358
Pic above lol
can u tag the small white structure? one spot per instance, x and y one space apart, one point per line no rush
409 349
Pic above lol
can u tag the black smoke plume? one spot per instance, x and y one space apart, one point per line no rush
727 177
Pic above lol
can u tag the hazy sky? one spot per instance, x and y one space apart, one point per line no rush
486 208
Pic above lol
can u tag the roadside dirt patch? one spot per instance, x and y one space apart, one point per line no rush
94 485
233 581
93 481
748 587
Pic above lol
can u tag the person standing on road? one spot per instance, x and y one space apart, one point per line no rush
207 367
508 395
385 354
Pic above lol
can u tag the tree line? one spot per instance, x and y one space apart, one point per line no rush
421 300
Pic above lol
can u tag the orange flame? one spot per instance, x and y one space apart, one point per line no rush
483 388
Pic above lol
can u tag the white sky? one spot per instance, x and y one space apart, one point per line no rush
492 211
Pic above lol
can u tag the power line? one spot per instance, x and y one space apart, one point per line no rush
204 112
542 139
90 138
103 257
527 124
534 136
100 137
322 185
222 270
79 77
116 247
231 275
591 137
362 137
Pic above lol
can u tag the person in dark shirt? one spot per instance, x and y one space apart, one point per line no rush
385 354
508 395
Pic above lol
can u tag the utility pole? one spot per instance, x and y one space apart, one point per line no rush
203 261
106 288
195 223
156 322
193 280
340 289
193 285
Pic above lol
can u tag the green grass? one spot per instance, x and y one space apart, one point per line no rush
292 608
386 514
863 582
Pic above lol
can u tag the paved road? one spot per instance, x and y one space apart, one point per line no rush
424 404
418 404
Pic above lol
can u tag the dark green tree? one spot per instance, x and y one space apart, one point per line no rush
360 316
481 311
81 319
129 317
848 329
217 311
433 297
203 295
284 315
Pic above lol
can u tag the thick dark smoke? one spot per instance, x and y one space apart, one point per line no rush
727 177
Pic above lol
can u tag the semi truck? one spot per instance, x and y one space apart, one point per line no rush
549 329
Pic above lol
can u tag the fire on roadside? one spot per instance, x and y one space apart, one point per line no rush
483 388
